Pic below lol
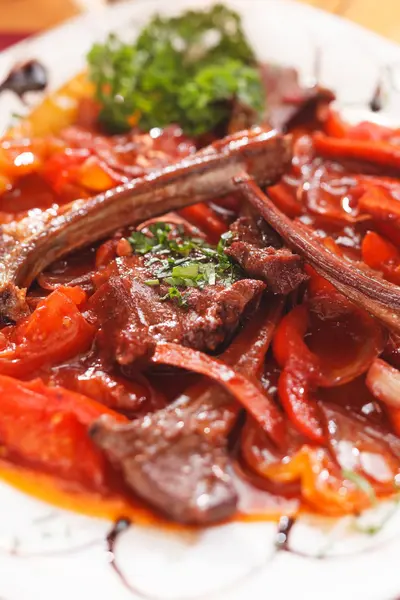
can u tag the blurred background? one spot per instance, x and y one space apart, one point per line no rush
21 18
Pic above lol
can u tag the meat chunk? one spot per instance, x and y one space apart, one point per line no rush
281 269
290 104
254 230
177 458
258 250
133 316
170 463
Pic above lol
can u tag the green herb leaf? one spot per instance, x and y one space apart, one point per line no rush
175 294
180 261
141 243
189 271
152 282
205 99
362 484
185 70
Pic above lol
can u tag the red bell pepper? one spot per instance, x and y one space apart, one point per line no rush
62 167
317 284
382 154
47 428
368 131
203 217
299 369
378 252
285 200
334 125
380 205
391 184
303 371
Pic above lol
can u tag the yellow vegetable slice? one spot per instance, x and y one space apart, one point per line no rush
58 110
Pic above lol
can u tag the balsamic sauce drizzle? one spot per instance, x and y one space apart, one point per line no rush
282 539
29 76
119 527
376 104
281 543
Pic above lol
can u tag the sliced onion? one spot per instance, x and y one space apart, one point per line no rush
360 448
251 397
383 381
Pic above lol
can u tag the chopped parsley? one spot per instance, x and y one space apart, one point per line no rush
180 261
174 294
186 70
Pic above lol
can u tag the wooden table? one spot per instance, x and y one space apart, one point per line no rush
20 17
382 16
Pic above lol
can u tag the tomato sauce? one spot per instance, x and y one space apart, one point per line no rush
314 373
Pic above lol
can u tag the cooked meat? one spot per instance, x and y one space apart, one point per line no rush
379 297
290 104
133 317
254 230
90 376
176 459
28 246
257 249
280 269
170 464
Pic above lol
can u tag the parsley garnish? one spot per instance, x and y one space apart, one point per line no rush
174 294
180 261
184 70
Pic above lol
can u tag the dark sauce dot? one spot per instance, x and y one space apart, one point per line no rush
376 103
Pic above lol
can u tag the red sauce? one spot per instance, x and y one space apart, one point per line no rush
336 341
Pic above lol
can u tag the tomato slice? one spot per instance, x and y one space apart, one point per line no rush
47 428
54 332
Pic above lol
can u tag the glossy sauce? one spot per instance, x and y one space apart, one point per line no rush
323 196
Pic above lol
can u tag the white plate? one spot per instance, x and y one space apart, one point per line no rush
48 554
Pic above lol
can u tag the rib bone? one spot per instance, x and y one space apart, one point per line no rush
379 297
30 245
